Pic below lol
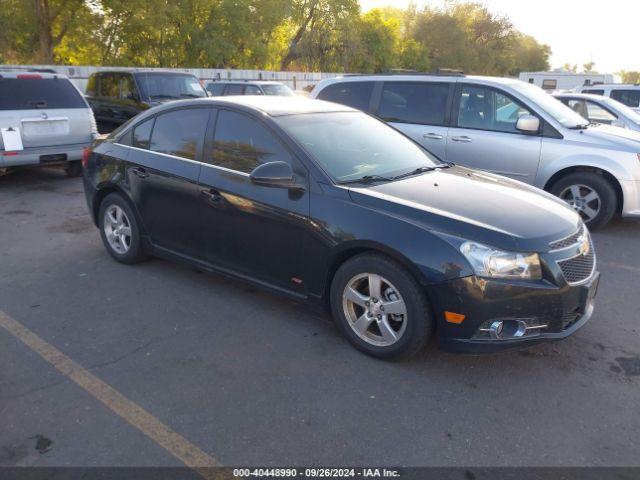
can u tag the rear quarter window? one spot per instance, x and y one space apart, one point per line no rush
353 94
37 92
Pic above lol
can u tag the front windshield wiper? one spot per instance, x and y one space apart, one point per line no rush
369 179
191 95
581 126
162 96
414 172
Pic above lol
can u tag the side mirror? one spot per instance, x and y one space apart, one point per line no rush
274 174
528 124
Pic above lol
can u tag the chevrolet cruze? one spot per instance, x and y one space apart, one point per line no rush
330 205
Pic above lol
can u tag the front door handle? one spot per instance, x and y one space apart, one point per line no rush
211 195
462 139
432 136
140 172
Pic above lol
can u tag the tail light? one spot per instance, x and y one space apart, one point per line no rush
86 153
31 76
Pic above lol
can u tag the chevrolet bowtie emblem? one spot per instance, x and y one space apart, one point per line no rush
584 246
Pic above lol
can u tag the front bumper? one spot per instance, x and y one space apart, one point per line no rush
42 155
562 310
631 195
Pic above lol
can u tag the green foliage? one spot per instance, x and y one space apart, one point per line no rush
329 35
630 77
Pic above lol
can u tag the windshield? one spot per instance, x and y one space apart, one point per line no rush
554 107
622 108
156 86
352 145
279 90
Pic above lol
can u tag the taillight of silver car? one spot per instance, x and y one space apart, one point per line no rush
86 153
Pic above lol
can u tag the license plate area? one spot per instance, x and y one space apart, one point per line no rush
39 128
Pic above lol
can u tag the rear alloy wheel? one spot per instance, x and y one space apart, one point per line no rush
119 230
589 194
380 307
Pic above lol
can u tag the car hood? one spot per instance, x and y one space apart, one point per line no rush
476 206
613 136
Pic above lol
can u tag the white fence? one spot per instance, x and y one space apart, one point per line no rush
295 80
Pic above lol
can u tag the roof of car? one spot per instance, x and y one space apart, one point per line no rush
413 77
247 82
278 106
136 71
269 105
29 74
589 96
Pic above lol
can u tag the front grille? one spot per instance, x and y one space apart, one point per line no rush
578 269
568 241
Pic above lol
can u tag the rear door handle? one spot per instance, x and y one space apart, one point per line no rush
212 196
433 136
140 172
462 139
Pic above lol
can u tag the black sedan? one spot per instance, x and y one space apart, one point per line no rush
329 205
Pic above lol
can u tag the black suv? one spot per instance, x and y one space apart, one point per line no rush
117 96
328 204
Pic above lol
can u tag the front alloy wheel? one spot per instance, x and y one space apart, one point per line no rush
380 307
374 309
584 200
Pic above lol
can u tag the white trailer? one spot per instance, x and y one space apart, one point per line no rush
554 81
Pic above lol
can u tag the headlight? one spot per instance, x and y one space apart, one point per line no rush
489 262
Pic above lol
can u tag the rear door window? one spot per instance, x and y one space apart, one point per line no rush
216 89
631 98
180 132
33 92
235 89
142 134
353 94
252 90
414 102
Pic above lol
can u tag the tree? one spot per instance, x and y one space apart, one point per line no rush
588 67
379 42
630 77
54 19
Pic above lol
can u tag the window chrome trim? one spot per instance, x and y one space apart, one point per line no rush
229 170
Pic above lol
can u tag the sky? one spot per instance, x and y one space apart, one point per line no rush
578 31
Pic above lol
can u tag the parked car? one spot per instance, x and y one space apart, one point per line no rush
507 127
221 88
627 94
47 119
117 96
598 109
330 205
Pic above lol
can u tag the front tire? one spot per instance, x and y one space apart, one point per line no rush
380 307
590 194
119 230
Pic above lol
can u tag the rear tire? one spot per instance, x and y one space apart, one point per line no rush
590 194
119 230
74 169
365 291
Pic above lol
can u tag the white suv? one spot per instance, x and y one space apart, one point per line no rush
627 94
46 119
507 127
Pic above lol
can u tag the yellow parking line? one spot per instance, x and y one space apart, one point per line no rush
174 443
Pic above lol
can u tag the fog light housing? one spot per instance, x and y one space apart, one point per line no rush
509 328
